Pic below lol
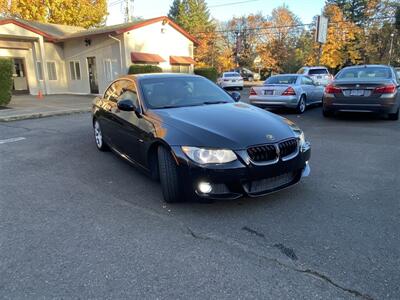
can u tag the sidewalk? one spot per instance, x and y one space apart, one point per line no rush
30 107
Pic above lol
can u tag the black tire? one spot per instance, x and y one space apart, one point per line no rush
301 106
241 88
98 137
169 178
327 113
394 116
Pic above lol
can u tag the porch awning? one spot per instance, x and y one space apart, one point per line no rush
181 60
141 57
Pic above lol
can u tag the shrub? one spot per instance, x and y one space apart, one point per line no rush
210 73
6 81
140 69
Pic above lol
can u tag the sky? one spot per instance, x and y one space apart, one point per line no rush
221 10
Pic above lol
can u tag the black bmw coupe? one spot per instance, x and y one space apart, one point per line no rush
197 139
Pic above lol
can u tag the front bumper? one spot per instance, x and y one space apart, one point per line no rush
242 177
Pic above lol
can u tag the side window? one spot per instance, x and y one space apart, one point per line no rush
307 81
116 89
129 93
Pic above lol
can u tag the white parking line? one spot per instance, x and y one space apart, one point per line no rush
12 140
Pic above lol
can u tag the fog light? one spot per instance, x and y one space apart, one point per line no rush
204 187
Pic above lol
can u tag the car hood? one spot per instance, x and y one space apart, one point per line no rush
232 126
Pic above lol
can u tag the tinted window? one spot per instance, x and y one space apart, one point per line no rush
231 75
365 73
281 80
317 72
181 91
398 73
116 89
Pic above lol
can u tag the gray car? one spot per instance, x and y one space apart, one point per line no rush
368 88
287 90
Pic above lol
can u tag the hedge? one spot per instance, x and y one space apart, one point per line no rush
140 69
210 73
6 81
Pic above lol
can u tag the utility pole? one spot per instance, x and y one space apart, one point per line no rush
128 10
391 48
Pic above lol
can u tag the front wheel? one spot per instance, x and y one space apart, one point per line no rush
169 178
301 106
98 136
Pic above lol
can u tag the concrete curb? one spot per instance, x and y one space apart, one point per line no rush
46 114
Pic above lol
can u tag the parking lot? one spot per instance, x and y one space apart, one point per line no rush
79 223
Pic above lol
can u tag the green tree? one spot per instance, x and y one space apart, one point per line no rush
85 13
194 17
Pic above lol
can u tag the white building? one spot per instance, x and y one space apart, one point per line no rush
56 59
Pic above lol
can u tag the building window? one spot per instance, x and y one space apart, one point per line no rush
51 70
75 70
111 69
180 68
39 70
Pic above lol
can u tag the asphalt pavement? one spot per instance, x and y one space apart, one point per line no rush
79 223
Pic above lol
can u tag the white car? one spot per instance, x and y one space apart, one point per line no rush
320 75
230 80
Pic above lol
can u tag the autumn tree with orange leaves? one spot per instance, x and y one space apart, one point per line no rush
84 13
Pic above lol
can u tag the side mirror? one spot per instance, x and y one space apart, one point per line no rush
235 96
126 105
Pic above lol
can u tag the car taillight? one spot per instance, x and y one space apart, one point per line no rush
331 89
386 89
252 92
289 92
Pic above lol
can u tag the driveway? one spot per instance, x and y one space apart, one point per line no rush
78 223
30 107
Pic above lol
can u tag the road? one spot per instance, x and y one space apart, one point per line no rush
78 223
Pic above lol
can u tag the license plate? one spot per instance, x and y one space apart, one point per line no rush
268 92
233 80
319 77
357 93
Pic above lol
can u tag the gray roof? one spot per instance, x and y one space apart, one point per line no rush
62 32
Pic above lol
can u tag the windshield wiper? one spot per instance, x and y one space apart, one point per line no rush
214 102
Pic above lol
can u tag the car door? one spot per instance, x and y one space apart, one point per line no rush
109 106
307 85
131 133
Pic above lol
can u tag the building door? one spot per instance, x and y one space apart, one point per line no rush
94 86
20 83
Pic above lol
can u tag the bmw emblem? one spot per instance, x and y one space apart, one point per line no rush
270 137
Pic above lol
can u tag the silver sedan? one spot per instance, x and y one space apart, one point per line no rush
287 90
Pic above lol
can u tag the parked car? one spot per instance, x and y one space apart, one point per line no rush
230 80
398 72
247 74
197 139
320 75
287 90
368 88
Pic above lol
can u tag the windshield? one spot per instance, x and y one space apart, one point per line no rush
317 71
181 91
231 75
281 80
364 73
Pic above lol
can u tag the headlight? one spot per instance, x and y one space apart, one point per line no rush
302 139
297 131
209 156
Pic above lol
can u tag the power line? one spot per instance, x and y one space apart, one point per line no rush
232 3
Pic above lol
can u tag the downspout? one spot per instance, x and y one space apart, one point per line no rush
120 51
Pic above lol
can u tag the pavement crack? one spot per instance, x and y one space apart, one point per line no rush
252 231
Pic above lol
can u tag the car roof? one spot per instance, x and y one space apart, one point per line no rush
289 74
315 67
157 75
366 66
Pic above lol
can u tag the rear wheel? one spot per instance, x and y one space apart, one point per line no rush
170 182
98 136
394 116
301 106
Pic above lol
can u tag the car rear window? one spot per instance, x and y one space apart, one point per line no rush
317 71
365 73
281 80
231 74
